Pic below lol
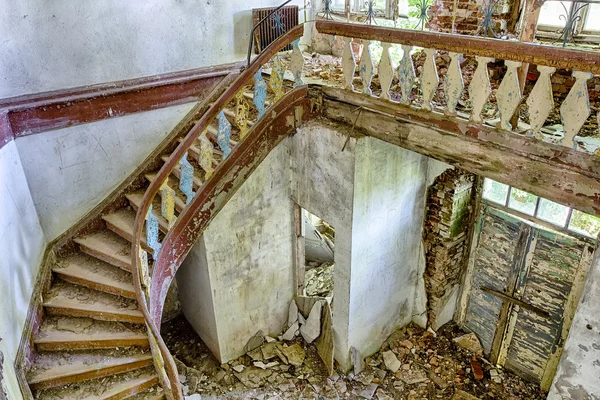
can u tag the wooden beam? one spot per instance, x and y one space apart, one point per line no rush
475 149
552 56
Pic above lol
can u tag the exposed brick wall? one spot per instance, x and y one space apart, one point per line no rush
445 235
466 15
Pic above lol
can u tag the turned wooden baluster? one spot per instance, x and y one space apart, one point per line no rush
276 81
260 93
429 78
575 109
152 233
509 95
386 71
540 101
206 158
366 67
406 74
186 182
224 134
297 63
241 113
453 83
167 204
480 88
348 63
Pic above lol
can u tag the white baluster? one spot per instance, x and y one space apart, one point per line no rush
540 100
386 71
575 109
453 83
429 78
366 67
348 63
508 95
297 63
480 88
406 74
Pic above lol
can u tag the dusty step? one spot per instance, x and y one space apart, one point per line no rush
112 387
57 369
108 247
67 333
135 199
173 184
78 301
195 152
121 222
177 173
155 393
212 132
84 270
250 96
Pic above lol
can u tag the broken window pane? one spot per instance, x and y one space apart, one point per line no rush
584 224
495 191
522 201
553 212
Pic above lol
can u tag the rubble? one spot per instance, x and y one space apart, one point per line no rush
311 329
470 342
319 280
429 367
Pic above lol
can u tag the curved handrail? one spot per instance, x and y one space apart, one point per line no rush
164 173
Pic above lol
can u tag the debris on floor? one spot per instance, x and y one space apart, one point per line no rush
427 366
319 279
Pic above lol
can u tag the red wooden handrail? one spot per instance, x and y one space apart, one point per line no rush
164 173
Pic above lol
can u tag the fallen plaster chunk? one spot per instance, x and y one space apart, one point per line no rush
262 365
368 392
255 341
292 313
391 361
295 354
312 327
270 339
238 368
291 332
357 360
469 342
195 396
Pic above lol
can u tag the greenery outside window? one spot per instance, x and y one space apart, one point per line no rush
537 208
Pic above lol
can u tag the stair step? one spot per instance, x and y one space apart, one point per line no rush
230 113
135 199
250 96
84 270
173 183
108 247
57 369
177 173
195 152
122 223
78 301
212 131
64 333
153 394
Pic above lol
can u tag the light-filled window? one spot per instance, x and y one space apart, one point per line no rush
525 203
585 19
592 22
551 12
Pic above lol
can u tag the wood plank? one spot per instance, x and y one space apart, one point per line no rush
108 247
121 222
77 370
135 199
177 172
324 342
90 272
52 339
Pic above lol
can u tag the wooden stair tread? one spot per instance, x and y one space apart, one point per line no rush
177 173
195 152
79 301
81 269
122 223
65 333
135 199
212 131
57 369
108 247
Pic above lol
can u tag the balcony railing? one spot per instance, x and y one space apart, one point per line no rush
165 230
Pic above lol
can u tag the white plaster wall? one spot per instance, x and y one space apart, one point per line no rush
323 183
578 373
53 45
389 191
71 170
21 249
249 250
196 296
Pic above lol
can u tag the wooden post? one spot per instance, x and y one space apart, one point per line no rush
530 19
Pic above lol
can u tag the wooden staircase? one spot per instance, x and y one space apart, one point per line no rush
92 342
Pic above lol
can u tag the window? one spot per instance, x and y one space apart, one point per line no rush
383 8
555 14
527 204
